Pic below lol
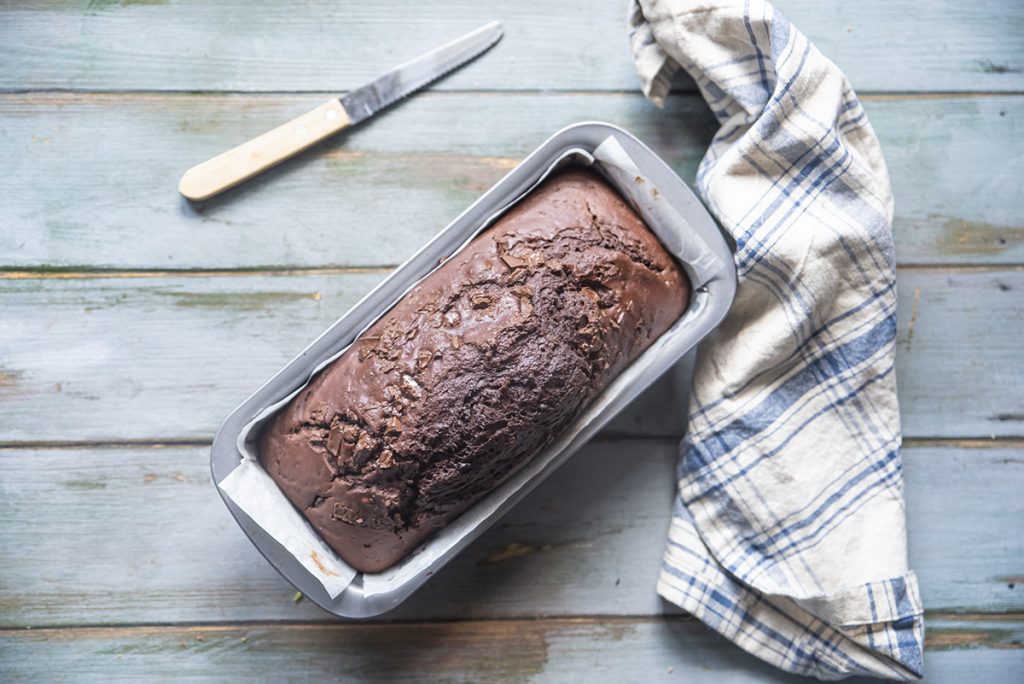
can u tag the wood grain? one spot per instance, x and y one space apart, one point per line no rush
90 180
884 45
138 535
640 650
133 537
166 358
958 353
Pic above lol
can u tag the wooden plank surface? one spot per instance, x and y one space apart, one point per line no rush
91 180
241 45
165 358
138 535
958 358
639 650
115 548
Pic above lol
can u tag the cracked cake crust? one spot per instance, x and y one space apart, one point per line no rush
475 370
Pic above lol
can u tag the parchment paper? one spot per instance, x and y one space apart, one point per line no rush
254 491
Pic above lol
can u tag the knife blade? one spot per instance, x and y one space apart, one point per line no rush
240 163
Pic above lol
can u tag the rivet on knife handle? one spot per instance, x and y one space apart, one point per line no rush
259 154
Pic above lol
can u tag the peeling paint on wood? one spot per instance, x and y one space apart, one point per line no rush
1012 580
959 236
83 484
330 47
177 354
242 301
513 550
588 541
913 317
554 650
376 194
9 379
935 374
1002 636
131 341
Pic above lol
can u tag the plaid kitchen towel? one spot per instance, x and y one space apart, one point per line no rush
788 535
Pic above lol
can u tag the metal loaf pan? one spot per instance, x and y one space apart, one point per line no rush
369 595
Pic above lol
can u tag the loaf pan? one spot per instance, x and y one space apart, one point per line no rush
667 206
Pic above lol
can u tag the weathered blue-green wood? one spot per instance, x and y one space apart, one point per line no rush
90 181
120 534
166 357
137 535
890 45
627 650
958 357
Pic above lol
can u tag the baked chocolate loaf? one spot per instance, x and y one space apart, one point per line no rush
474 371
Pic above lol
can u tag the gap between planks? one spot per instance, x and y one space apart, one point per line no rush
481 92
341 623
603 438
955 635
72 273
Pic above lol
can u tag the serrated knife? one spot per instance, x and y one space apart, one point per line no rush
259 154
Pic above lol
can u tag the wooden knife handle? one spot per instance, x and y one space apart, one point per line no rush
259 154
